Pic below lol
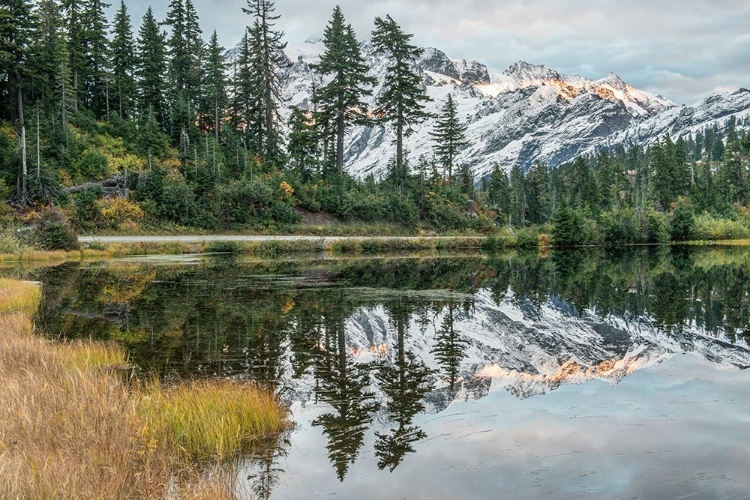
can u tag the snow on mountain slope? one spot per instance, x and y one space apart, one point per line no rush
529 113
526 349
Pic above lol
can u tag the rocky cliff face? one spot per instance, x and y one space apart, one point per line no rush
529 113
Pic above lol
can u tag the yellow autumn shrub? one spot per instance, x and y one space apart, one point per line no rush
115 211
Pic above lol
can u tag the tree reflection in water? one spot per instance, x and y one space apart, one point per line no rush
404 381
284 324
343 384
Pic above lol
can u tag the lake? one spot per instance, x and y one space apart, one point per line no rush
578 374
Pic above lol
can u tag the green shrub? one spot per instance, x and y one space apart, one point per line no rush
53 231
657 228
683 224
222 247
501 238
93 165
527 237
86 209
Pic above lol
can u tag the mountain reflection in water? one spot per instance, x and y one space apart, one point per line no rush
365 350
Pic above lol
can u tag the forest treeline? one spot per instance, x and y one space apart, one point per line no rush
194 135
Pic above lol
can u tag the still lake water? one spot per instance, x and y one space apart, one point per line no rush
582 374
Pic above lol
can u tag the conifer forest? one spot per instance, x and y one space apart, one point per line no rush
134 125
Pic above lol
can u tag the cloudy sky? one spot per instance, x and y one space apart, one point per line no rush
682 50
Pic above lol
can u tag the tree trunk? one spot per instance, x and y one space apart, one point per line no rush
75 91
38 151
106 97
399 145
216 118
21 186
340 132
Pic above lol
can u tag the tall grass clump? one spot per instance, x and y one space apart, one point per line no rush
11 243
71 427
19 296
211 420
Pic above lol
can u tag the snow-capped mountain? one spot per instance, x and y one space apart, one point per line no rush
527 349
526 114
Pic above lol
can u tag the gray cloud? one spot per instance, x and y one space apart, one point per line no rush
683 50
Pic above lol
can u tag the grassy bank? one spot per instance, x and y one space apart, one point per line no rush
71 427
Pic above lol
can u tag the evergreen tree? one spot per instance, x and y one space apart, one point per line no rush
581 185
611 179
123 63
150 69
241 88
465 180
64 93
449 135
268 58
17 27
402 99
182 89
669 172
499 190
733 174
94 79
340 100
214 99
76 48
517 204
45 51
537 194
303 143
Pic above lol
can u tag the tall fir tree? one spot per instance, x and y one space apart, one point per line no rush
499 190
18 25
76 48
214 97
95 82
241 86
402 98
449 135
45 51
151 67
181 81
340 100
303 144
537 194
123 64
266 48
64 92
518 207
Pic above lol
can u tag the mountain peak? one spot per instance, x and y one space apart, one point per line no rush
525 72
614 81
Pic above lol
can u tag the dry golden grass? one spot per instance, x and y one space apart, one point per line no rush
210 420
71 428
19 296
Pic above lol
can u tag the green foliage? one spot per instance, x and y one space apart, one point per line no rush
683 223
53 231
93 165
708 227
574 227
657 228
527 237
85 207
402 98
157 109
340 101
177 201
449 136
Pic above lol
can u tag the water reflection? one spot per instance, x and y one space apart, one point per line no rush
377 343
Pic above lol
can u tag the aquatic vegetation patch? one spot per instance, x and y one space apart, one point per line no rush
70 427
